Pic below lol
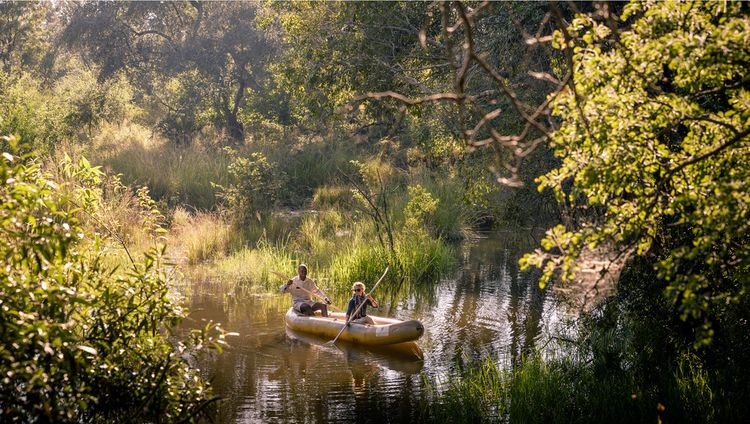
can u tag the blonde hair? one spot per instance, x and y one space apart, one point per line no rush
359 284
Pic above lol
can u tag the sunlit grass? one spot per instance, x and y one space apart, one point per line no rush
204 235
332 196
175 175
252 267
271 227
338 251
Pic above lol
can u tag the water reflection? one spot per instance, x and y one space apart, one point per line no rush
271 374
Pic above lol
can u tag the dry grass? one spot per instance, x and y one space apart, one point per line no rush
203 236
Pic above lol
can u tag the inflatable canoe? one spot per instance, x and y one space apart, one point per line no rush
385 331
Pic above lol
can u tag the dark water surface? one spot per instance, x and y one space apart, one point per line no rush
487 308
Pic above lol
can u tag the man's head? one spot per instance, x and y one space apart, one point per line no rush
302 271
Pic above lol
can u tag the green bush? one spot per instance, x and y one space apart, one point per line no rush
82 341
43 115
454 218
90 103
254 185
30 113
420 209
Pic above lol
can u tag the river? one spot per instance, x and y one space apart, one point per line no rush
487 308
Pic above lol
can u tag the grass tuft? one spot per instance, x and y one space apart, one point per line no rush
204 235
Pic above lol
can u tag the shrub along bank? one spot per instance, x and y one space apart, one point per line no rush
82 340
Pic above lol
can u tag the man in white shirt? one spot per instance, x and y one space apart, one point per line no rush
302 289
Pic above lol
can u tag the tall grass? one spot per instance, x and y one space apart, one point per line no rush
359 263
271 228
333 196
175 175
338 251
310 164
562 390
127 221
251 268
204 235
481 394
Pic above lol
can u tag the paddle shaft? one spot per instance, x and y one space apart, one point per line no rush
348 320
280 275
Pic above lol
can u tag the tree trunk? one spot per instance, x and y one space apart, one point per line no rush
234 127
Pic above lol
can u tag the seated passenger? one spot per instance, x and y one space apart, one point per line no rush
358 298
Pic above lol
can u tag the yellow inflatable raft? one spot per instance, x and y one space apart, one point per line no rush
385 331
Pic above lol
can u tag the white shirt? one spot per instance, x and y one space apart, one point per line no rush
300 296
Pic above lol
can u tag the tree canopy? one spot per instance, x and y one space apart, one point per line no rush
654 142
198 60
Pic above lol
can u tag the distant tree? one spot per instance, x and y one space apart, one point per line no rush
24 40
481 63
211 53
331 52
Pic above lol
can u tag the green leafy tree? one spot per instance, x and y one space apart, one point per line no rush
81 341
30 112
70 107
90 103
212 49
333 51
654 139
24 40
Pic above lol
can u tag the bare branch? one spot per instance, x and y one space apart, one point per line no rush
408 100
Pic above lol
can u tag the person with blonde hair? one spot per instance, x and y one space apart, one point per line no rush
359 297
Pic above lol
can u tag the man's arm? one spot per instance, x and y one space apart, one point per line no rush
284 288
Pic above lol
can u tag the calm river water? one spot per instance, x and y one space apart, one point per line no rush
487 308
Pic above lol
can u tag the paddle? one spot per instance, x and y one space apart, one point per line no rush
282 276
346 324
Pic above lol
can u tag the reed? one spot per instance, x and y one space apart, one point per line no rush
424 260
481 395
360 263
562 390
175 175
204 235
270 227
338 251
249 268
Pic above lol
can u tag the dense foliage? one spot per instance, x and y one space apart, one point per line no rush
199 61
654 143
82 340
652 133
